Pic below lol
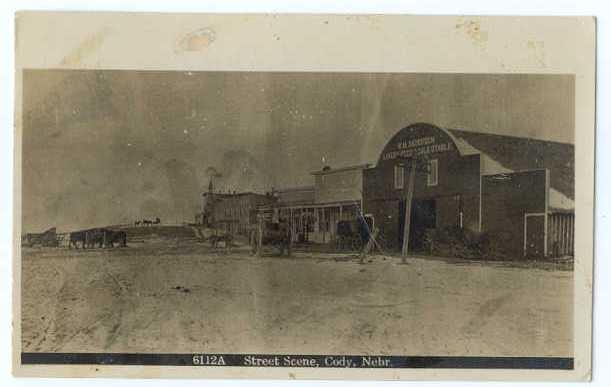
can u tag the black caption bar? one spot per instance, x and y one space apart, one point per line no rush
307 361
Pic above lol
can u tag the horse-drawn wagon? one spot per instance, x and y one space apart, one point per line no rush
270 231
353 234
48 238
100 237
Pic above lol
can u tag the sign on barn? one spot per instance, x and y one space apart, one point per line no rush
407 149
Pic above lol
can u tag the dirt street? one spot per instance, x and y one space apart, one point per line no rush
187 298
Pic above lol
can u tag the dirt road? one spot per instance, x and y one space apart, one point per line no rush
188 298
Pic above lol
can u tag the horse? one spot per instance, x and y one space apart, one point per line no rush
113 237
137 223
157 221
216 239
76 237
273 234
47 238
95 236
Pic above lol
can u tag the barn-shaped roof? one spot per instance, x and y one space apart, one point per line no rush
505 154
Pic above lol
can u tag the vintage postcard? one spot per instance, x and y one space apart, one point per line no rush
303 196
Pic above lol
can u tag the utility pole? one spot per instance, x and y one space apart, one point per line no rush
411 163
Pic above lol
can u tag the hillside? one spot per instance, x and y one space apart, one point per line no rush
156 232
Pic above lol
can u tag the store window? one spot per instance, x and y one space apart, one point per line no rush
399 176
433 176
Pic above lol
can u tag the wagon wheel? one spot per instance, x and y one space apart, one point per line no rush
357 243
252 241
380 242
280 248
289 251
351 243
346 243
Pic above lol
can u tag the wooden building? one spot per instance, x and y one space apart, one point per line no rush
519 190
315 211
232 212
516 188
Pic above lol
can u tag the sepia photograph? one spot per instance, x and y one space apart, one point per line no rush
300 219
190 211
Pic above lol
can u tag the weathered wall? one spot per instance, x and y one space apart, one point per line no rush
471 192
295 196
457 189
233 213
506 198
341 185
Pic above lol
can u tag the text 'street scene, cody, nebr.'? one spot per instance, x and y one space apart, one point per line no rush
270 219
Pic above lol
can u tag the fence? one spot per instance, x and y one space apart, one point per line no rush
561 234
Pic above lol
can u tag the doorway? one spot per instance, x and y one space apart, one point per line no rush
423 217
534 235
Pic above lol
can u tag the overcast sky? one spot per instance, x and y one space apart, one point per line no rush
105 147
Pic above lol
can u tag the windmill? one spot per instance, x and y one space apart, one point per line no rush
208 202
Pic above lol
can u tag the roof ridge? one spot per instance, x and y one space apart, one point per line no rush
459 131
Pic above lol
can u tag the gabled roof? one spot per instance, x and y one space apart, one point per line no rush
225 195
296 189
330 170
295 195
505 154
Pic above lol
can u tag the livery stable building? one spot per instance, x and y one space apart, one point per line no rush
519 191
